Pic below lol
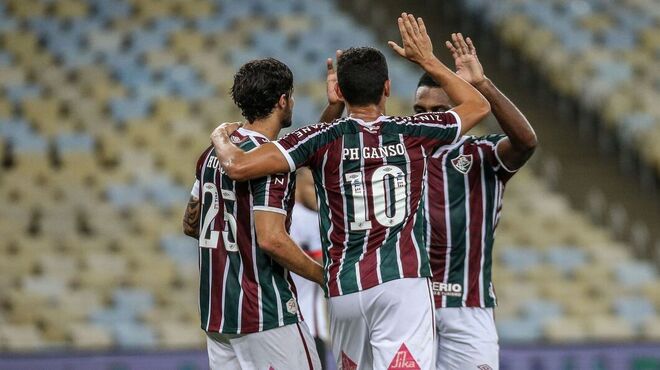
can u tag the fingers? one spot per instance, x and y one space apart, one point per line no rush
471 47
413 23
405 36
452 49
338 53
399 50
462 44
422 26
407 24
329 65
456 45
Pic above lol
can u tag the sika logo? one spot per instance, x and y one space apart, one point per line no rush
403 360
462 163
484 367
347 363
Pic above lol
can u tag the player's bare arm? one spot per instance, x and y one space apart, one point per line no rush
240 165
336 105
191 218
521 142
471 106
274 240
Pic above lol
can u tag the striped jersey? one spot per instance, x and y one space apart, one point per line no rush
464 200
369 183
242 290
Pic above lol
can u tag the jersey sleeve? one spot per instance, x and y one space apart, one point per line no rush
433 129
488 145
300 147
273 193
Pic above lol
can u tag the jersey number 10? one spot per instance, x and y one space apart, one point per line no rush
387 182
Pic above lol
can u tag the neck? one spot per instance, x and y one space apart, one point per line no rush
269 127
367 113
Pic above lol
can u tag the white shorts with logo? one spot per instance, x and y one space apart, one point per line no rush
389 326
467 339
289 347
313 306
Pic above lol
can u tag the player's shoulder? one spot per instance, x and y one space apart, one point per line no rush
247 139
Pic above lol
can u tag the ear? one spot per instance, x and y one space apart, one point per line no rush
338 92
282 103
387 88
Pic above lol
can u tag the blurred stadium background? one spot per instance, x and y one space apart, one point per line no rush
105 105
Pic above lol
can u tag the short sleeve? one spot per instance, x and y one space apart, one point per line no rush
273 193
488 145
433 129
300 147
195 189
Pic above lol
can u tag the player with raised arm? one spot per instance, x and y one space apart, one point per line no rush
368 171
247 299
463 210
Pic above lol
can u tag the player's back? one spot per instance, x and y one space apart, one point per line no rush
242 290
369 181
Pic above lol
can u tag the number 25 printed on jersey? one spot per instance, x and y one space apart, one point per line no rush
208 237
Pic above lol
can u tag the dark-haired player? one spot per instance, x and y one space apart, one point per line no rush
464 198
368 171
247 298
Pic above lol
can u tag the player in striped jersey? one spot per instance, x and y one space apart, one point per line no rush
368 171
468 180
247 299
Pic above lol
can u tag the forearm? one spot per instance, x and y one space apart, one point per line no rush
511 120
470 104
286 253
332 112
191 218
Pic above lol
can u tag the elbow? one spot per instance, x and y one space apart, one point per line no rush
482 108
190 231
236 172
529 143
270 243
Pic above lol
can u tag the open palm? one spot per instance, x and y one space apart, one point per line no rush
465 57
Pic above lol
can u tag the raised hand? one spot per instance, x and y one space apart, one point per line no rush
331 80
417 46
465 57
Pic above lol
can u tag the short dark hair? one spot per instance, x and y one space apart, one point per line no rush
258 85
427 80
361 74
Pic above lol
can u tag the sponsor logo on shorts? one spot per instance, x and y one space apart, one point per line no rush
403 360
462 163
347 363
484 367
452 290
292 306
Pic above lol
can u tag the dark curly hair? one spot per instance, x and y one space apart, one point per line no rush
361 74
427 80
258 85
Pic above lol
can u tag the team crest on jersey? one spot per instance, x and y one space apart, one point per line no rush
235 139
292 306
462 163
347 363
403 360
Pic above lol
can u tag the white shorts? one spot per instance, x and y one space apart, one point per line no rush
389 326
289 347
467 339
313 306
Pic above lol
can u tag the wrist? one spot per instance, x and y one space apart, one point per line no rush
429 63
485 82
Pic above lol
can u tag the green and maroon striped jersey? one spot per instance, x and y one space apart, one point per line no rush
369 183
463 203
242 290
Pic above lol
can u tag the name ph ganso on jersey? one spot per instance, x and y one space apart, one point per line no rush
371 152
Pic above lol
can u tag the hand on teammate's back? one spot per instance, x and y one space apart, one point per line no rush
465 57
224 129
417 46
